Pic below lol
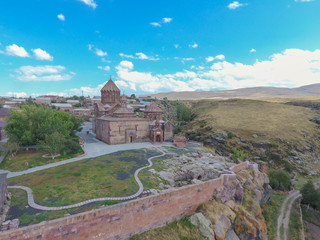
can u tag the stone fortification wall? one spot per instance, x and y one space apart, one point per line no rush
3 189
122 220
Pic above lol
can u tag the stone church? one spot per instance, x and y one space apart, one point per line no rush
116 123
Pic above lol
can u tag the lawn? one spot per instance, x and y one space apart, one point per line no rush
271 212
106 176
19 209
32 158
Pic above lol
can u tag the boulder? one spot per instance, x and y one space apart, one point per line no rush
204 225
231 235
221 227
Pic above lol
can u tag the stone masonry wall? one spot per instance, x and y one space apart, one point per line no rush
125 219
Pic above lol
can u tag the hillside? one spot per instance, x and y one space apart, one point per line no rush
253 93
285 135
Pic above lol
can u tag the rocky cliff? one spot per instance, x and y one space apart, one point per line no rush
235 213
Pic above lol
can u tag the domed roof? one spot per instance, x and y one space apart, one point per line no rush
110 86
153 108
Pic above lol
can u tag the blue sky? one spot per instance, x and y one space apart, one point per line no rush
70 46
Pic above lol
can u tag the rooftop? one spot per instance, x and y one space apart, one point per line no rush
110 86
153 107
4 112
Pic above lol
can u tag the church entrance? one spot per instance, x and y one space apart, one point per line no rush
158 138
130 139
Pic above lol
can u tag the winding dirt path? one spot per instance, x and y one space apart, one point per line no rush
284 216
40 207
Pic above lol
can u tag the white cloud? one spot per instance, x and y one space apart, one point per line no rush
252 50
163 21
218 57
303 0
105 68
176 45
61 17
15 50
17 94
235 5
210 59
43 73
155 24
100 53
290 68
187 59
139 55
166 20
90 3
194 45
90 46
41 54
125 65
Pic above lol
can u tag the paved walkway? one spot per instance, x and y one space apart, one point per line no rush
37 206
93 148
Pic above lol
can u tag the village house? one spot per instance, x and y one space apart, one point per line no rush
85 113
116 123
62 106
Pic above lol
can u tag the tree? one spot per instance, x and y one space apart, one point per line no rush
31 125
53 144
29 101
279 179
133 96
310 195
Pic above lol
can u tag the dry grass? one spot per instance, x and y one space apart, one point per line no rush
177 230
246 117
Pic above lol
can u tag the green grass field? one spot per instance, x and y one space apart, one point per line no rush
29 159
106 176
295 226
271 212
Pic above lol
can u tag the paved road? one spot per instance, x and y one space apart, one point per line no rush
284 217
37 206
93 148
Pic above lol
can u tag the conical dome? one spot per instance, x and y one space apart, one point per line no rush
110 86
153 108
110 93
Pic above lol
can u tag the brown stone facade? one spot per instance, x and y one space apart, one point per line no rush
123 220
115 123
180 142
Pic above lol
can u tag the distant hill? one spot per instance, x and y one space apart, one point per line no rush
252 93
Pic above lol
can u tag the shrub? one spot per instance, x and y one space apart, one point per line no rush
239 154
279 179
310 195
177 130
230 135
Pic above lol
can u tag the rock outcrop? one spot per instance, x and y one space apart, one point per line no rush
235 212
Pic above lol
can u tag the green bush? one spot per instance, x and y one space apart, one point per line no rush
230 135
311 195
177 130
239 154
279 179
